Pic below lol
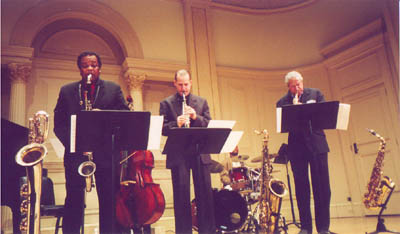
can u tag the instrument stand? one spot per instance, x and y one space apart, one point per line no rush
380 227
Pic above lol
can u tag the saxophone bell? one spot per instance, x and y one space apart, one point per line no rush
87 170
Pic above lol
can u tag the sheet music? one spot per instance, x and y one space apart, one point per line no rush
232 141
343 116
73 133
278 119
155 129
221 124
58 147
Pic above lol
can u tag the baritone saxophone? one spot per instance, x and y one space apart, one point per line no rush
271 192
31 157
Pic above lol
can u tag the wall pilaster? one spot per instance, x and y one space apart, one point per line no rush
19 74
135 87
200 50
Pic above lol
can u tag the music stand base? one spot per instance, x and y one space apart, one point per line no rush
285 226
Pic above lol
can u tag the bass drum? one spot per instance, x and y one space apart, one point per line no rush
230 211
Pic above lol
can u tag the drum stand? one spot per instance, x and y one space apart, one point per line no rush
251 224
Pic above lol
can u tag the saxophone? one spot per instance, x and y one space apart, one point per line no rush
272 191
31 157
378 187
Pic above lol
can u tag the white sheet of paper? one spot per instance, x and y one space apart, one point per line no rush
73 133
278 119
232 141
221 124
58 147
156 123
236 164
343 116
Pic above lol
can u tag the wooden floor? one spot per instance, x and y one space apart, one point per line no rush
339 225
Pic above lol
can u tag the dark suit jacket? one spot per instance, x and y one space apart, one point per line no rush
109 97
171 108
315 141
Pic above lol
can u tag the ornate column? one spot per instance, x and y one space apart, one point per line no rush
19 74
135 84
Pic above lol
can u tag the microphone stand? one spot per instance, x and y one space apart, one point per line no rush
285 225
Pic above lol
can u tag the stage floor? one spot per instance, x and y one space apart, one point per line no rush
339 225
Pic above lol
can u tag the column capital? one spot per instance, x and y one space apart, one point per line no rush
134 81
19 72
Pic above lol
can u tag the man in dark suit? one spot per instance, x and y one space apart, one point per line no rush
103 95
308 148
195 114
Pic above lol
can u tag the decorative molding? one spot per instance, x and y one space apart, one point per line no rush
58 65
263 11
134 82
155 70
19 72
16 54
47 12
355 37
360 50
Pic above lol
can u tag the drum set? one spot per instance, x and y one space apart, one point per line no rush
236 204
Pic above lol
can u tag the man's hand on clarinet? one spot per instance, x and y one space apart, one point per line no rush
191 112
181 120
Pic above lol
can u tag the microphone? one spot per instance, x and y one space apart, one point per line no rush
89 79
88 83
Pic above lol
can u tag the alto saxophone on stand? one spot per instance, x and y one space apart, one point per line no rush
378 187
31 157
88 168
271 192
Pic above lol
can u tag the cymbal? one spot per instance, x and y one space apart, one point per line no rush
258 171
216 167
259 158
243 157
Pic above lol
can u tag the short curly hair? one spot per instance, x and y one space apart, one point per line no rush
87 53
293 74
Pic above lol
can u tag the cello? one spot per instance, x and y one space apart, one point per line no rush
139 200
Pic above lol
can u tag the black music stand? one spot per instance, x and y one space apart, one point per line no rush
195 141
322 115
307 117
115 130
13 138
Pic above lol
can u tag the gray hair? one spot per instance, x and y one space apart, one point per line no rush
293 75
